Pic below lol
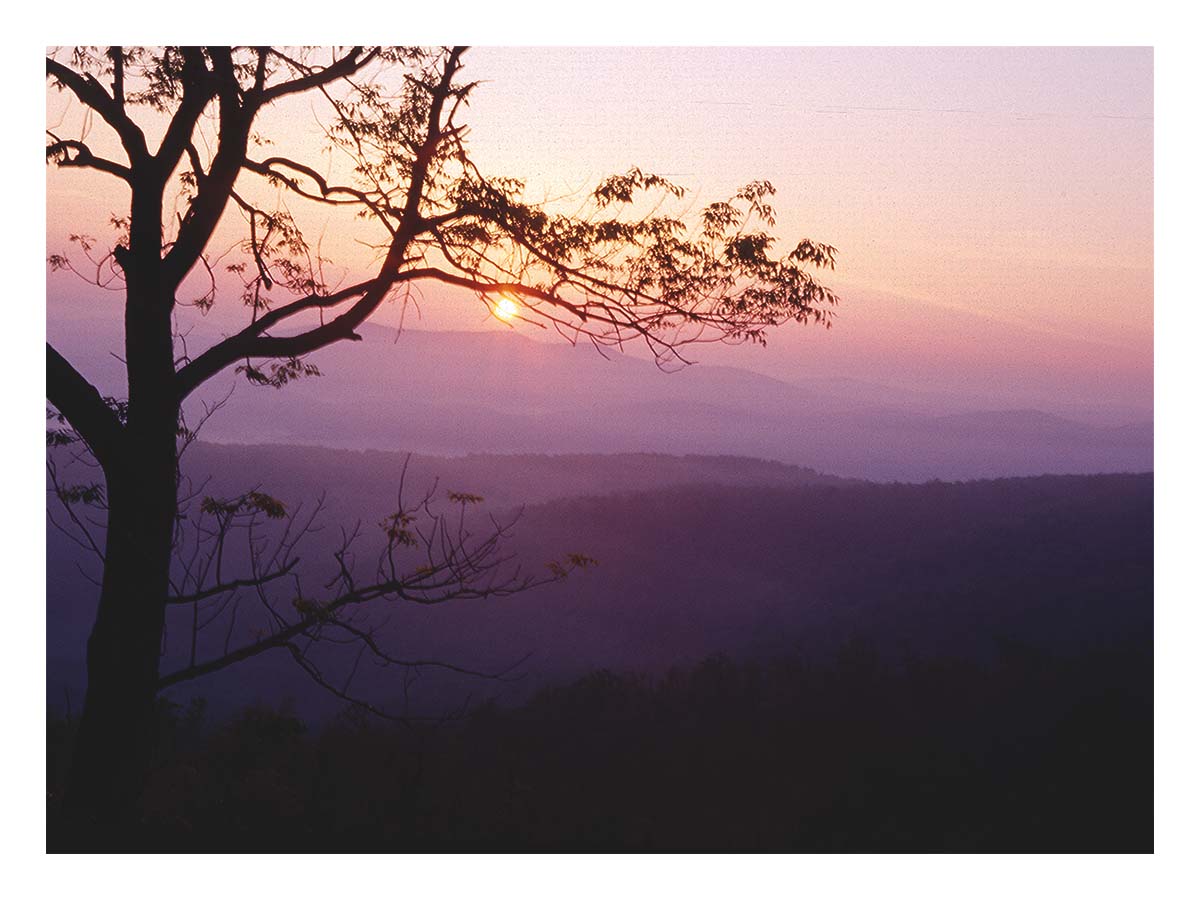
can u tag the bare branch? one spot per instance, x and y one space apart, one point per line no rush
428 558
235 584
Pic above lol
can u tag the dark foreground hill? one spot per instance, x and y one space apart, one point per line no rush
1029 753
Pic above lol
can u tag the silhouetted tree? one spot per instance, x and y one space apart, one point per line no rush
614 270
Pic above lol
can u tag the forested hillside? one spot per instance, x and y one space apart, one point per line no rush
695 556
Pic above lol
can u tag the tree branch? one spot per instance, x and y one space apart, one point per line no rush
326 191
251 343
243 344
346 65
227 586
92 94
59 149
214 191
199 88
495 287
75 397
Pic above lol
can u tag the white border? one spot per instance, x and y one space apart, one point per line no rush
620 22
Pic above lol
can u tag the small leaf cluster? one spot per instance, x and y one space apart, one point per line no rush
278 374
251 502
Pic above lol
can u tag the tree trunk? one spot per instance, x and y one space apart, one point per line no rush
115 740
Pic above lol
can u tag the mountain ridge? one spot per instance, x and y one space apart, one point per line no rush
456 393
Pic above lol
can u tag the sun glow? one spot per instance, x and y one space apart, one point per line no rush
506 308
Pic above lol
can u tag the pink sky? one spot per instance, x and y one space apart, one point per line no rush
992 206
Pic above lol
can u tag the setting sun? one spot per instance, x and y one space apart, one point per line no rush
506 308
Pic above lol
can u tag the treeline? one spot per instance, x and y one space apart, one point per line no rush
1026 752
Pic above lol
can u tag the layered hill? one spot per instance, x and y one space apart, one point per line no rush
456 393
696 556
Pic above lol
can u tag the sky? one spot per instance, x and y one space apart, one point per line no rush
992 206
